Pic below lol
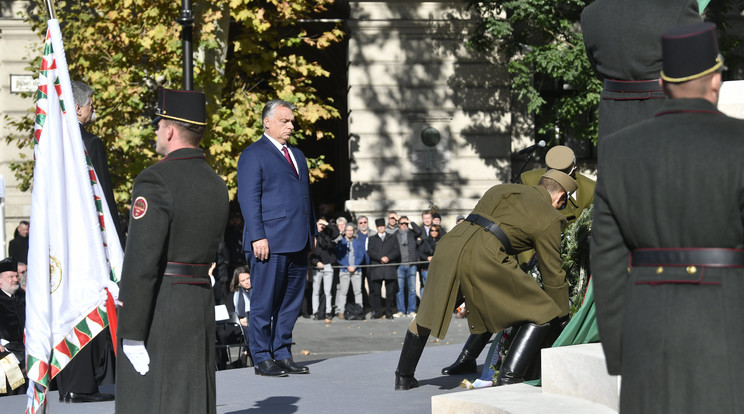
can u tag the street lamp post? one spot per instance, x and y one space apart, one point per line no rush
186 20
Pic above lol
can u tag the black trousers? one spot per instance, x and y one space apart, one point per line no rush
375 296
93 365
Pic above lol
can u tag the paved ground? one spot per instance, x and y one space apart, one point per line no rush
352 365
320 340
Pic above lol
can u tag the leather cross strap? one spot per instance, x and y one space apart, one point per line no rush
632 86
197 273
711 257
492 228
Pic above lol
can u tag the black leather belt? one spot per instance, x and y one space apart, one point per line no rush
711 257
493 228
192 271
632 86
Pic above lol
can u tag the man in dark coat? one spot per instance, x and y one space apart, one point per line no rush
86 114
18 247
79 380
166 327
382 248
322 259
12 322
667 268
622 42
477 259
280 230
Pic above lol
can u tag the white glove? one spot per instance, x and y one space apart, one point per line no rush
113 288
137 354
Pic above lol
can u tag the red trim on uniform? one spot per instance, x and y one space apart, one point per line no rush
688 111
181 158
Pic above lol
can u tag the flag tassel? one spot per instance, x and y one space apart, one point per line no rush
112 318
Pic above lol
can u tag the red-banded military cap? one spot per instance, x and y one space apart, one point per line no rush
184 106
690 52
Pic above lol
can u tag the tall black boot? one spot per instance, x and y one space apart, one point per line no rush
556 327
465 362
523 350
413 346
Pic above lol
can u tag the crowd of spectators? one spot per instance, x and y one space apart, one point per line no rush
352 265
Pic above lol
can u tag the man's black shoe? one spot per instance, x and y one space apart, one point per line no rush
75 397
292 368
269 368
63 397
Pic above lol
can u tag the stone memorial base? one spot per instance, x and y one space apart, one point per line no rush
575 381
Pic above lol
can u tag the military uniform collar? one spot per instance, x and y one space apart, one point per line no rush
184 154
544 193
693 105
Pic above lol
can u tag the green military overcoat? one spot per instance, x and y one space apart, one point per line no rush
673 332
179 213
584 198
497 293
584 194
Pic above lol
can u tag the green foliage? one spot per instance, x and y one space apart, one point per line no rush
575 257
246 52
550 72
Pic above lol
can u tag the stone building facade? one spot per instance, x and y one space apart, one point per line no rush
16 42
430 122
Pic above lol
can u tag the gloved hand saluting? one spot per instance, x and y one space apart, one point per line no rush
137 354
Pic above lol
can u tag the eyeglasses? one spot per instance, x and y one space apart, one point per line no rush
433 231
392 218
404 222
362 222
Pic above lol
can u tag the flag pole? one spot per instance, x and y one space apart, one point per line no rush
50 9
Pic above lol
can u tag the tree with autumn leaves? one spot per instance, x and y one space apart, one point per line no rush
246 52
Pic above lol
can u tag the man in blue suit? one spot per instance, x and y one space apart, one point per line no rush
279 233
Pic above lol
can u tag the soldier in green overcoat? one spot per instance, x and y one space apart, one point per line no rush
477 259
561 158
166 358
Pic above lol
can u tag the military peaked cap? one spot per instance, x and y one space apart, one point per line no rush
690 52
565 180
560 157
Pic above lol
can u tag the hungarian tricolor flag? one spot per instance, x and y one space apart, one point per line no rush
74 254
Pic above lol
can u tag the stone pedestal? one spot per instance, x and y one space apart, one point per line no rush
575 381
579 371
731 99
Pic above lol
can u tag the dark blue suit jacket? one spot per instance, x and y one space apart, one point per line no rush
276 204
